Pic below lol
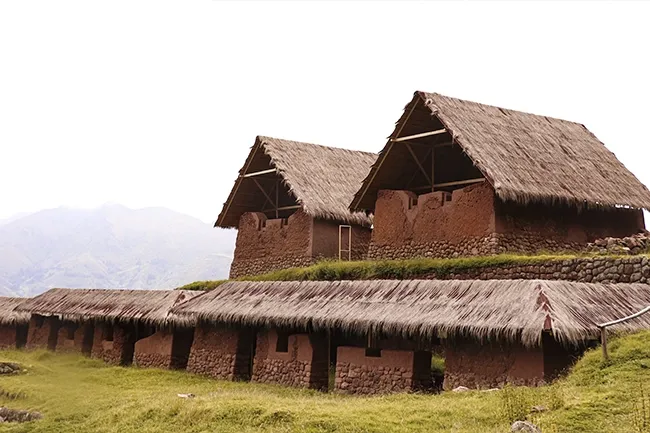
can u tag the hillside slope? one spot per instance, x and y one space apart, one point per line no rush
109 247
77 394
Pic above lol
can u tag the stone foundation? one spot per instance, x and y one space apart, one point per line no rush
304 364
221 353
392 371
43 332
248 267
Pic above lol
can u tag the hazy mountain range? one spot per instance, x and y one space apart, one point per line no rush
109 247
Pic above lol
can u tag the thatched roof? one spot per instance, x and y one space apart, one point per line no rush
513 310
321 179
525 157
8 314
149 306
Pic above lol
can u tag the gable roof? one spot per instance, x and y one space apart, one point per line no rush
525 157
150 306
514 310
8 315
321 179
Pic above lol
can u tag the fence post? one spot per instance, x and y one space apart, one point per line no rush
603 342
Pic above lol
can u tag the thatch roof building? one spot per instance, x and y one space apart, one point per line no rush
442 142
148 306
8 314
280 176
512 310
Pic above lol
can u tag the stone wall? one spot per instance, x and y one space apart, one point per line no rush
120 350
475 365
392 371
154 351
305 364
221 353
472 221
42 332
7 336
67 337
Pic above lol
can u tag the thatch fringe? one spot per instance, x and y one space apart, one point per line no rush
526 157
8 315
510 310
148 306
321 179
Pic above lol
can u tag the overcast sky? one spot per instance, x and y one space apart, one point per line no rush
157 103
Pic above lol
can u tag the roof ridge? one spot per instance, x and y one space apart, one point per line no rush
263 138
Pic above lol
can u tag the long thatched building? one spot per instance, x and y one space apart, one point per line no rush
462 178
290 205
380 334
117 326
13 324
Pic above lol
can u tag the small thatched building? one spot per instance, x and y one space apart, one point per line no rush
380 334
114 325
290 205
13 324
462 178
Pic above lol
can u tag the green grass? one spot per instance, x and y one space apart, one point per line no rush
78 395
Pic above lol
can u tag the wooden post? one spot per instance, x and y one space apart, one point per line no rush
603 342
277 198
433 162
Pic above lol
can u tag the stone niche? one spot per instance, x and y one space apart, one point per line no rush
362 370
114 342
294 359
221 352
75 337
166 348
43 332
13 336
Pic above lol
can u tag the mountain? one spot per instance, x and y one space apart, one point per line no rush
110 247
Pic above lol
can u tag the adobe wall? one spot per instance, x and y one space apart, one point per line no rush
305 364
42 333
155 350
7 336
275 246
435 226
120 350
393 371
65 344
475 365
221 353
326 240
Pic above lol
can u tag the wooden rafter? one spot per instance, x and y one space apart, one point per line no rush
422 135
260 173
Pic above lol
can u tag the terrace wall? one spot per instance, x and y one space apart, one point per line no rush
482 366
120 350
392 371
43 332
222 353
304 364
472 221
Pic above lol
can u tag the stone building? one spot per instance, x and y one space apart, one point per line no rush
290 206
462 178
380 334
13 324
119 326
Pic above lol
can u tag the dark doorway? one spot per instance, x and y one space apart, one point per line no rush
87 340
245 354
52 338
21 336
128 343
181 345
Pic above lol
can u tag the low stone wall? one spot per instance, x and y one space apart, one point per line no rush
221 353
393 371
7 337
243 267
305 364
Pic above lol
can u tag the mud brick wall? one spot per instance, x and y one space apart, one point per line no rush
42 333
155 351
326 240
7 336
117 352
304 365
393 371
66 344
221 353
472 221
484 366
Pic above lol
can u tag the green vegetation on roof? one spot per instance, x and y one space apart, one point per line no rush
77 394
397 269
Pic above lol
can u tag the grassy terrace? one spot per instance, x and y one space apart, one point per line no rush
398 269
76 394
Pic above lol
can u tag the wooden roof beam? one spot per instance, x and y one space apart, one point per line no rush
260 173
422 135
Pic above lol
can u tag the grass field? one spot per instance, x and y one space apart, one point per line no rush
80 395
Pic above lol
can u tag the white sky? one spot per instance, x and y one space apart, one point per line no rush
157 103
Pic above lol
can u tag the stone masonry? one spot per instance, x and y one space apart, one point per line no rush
221 353
42 332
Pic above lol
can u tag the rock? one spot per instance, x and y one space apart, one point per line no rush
9 368
460 389
12 415
524 427
537 409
